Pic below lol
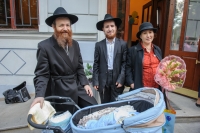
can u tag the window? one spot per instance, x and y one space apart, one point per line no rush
192 34
146 12
16 14
186 39
177 25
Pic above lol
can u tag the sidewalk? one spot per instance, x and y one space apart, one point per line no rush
187 106
15 115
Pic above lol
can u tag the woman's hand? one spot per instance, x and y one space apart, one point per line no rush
88 90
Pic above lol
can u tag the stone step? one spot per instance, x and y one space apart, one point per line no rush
188 119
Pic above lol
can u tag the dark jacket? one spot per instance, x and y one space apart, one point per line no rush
57 73
100 66
134 64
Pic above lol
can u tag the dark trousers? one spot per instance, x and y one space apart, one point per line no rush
110 91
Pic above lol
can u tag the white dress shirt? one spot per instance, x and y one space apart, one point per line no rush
110 53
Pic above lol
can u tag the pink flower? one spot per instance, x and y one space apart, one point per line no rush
171 72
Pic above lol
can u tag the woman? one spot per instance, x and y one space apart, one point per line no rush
143 59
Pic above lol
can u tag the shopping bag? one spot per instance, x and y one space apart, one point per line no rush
170 115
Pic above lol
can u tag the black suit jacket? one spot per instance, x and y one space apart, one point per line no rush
100 66
134 65
56 73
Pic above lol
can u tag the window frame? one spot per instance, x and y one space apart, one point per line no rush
13 24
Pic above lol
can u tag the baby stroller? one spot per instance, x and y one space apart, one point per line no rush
56 100
149 102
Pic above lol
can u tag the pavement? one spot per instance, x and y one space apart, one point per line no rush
14 116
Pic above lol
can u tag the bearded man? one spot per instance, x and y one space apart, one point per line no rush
109 61
59 70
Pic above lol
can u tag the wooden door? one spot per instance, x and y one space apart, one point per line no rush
183 34
155 12
120 9
160 9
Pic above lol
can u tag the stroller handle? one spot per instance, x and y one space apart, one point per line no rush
56 129
58 97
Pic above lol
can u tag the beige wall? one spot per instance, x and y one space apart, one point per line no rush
136 5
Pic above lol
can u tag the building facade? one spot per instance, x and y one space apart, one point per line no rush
18 43
22 26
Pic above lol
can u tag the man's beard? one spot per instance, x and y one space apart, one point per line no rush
63 37
111 36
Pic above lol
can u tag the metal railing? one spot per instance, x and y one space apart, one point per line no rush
20 10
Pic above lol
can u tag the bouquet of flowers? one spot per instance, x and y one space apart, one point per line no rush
171 73
88 72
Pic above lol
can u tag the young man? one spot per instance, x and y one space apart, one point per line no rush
59 69
109 61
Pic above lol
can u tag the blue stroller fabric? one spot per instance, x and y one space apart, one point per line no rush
102 122
149 102
109 119
62 120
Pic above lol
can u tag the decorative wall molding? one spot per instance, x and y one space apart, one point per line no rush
39 35
12 62
17 62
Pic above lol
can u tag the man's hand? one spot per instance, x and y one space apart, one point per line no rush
96 87
118 85
38 100
132 86
88 90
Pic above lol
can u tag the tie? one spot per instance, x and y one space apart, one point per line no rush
67 50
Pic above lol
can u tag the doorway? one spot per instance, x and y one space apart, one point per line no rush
134 12
176 35
120 9
183 40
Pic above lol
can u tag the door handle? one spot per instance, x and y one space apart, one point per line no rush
197 62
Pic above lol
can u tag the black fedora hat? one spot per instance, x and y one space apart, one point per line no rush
145 26
61 12
107 17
